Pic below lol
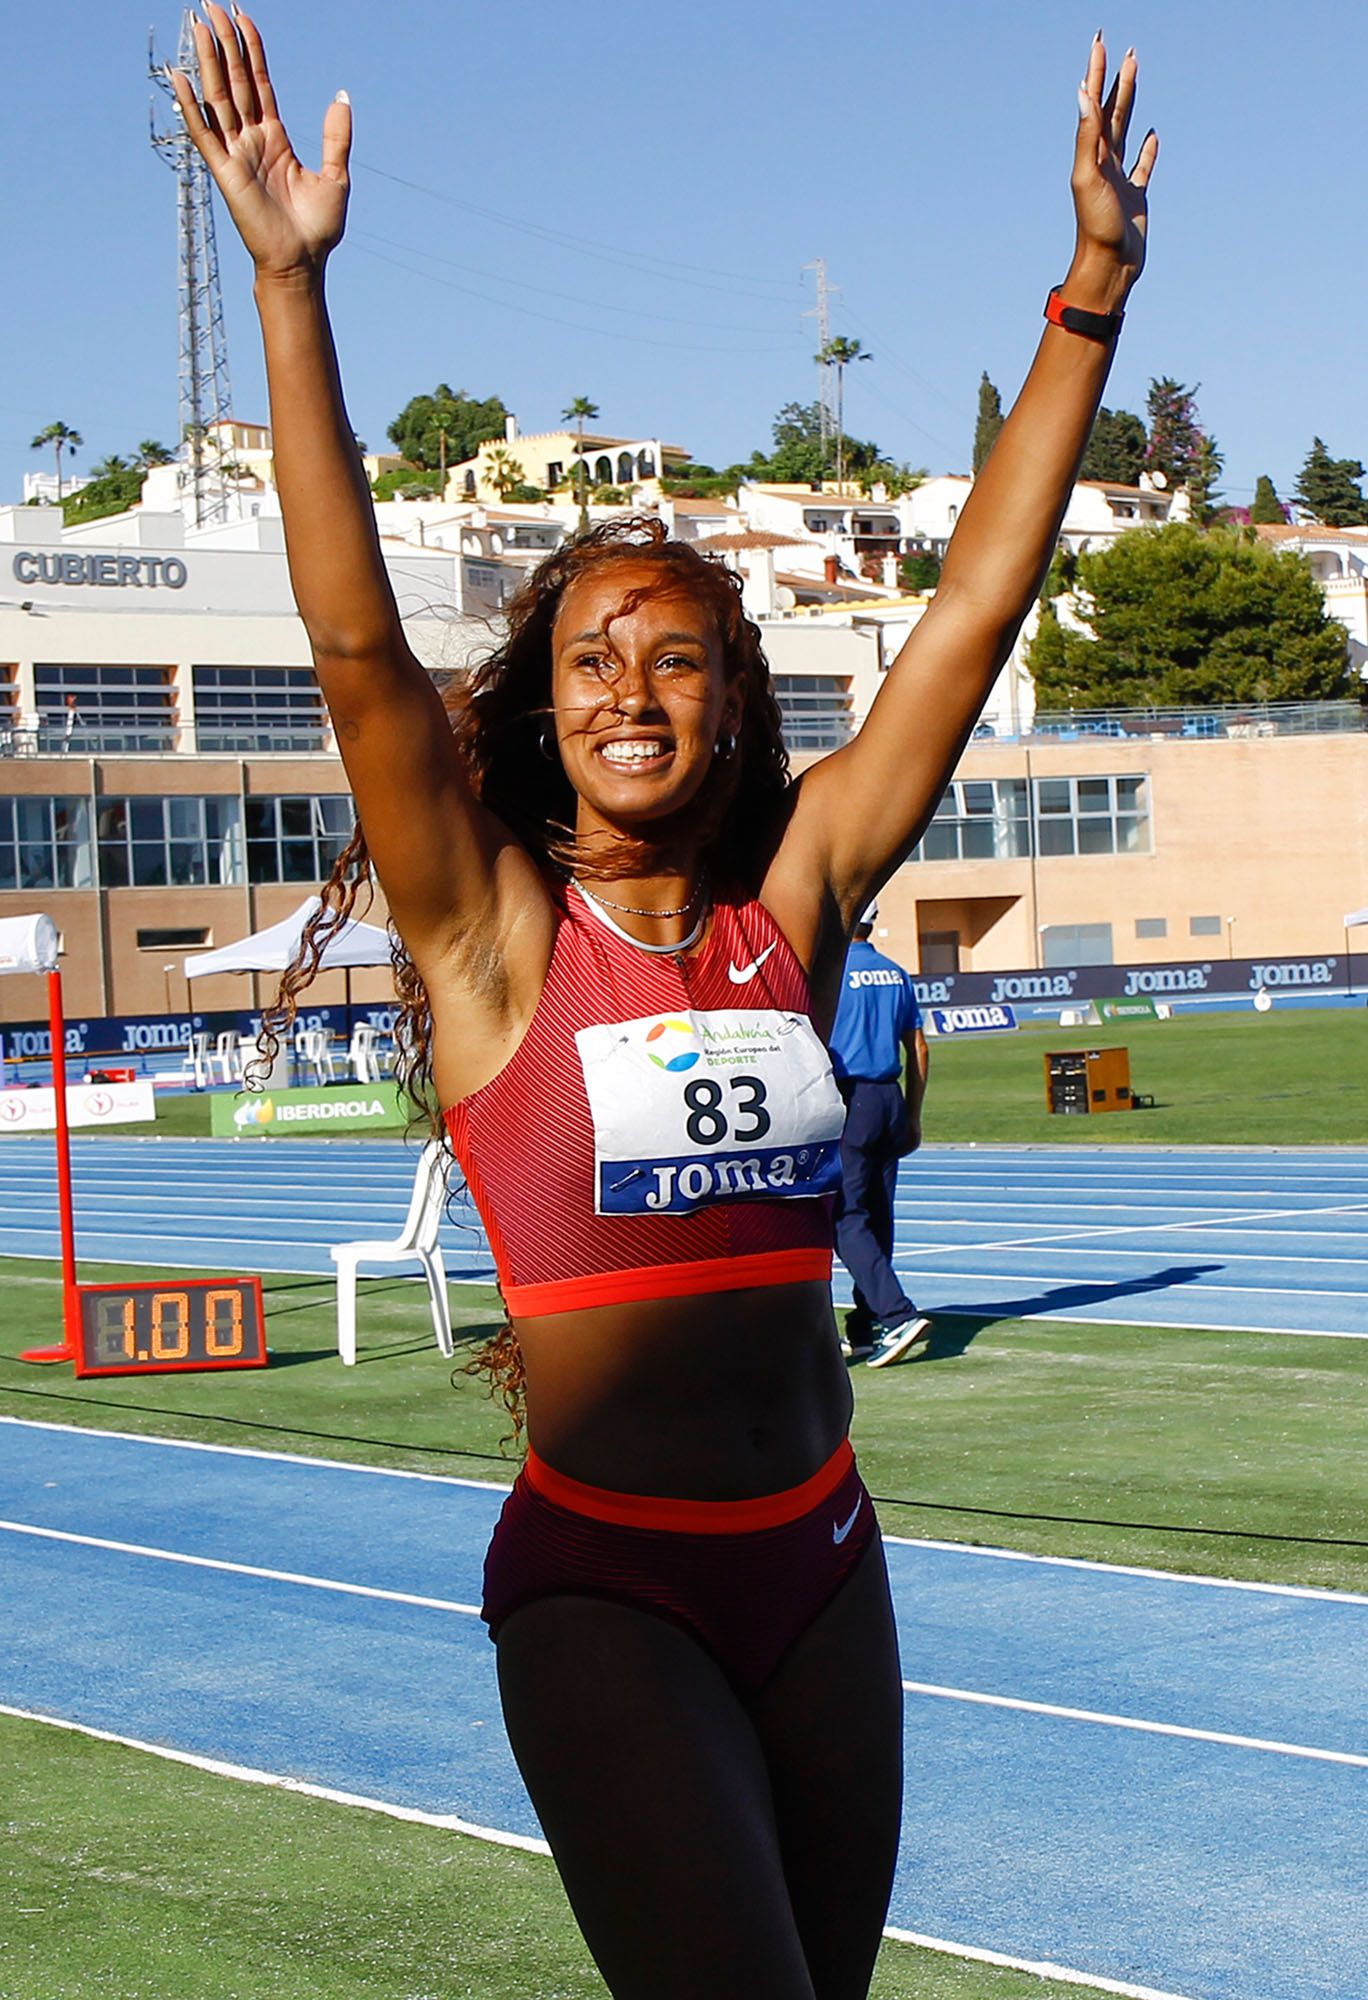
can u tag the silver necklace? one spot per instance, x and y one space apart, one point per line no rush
630 909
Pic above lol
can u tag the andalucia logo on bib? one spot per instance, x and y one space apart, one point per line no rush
672 1044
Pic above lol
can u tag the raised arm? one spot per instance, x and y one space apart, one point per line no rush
862 809
451 874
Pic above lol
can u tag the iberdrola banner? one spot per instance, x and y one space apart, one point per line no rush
316 1114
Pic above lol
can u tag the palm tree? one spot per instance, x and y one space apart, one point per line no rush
58 435
838 354
580 413
107 467
504 472
152 453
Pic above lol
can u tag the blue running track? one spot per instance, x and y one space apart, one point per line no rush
1155 1781
1264 1240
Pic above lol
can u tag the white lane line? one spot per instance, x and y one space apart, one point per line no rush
1311 1590
245 1774
1042 1968
253 1451
450 1823
1203 1284
240 1569
1148 1728
1111 1230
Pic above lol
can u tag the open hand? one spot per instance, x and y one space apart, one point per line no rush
288 217
1109 204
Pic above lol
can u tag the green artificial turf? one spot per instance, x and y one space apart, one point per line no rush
1295 1077
126 1877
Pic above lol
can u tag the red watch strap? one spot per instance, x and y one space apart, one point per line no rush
1075 319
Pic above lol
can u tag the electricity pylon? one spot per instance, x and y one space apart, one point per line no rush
205 400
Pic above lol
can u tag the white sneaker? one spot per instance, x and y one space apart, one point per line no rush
900 1341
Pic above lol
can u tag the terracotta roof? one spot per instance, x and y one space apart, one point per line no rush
753 538
841 587
686 505
1120 486
1308 532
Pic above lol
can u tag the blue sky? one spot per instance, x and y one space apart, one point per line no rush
618 201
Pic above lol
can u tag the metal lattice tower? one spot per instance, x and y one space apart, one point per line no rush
822 314
205 399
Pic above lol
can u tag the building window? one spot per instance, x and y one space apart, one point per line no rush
45 844
978 819
1151 927
257 708
815 710
1204 927
174 940
1092 816
87 709
297 839
1076 944
148 843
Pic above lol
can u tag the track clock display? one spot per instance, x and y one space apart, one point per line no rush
173 1323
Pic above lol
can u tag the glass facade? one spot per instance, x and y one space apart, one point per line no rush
258 708
89 709
989 819
815 709
45 843
297 839
152 842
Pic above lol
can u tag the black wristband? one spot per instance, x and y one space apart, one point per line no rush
1074 319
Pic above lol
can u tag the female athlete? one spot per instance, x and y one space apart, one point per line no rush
621 922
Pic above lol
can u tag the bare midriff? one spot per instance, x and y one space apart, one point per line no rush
721 1397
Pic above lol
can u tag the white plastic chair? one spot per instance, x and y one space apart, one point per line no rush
363 1055
415 1244
227 1057
195 1062
313 1046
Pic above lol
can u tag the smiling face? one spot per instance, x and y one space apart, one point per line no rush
641 694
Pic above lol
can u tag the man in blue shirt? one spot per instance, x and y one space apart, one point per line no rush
878 1024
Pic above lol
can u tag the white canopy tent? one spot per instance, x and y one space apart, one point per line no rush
352 943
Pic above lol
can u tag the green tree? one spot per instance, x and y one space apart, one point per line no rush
579 413
1181 617
1267 506
895 479
990 421
841 353
1328 489
1203 481
150 452
446 427
62 438
116 487
1116 448
920 571
1175 432
406 481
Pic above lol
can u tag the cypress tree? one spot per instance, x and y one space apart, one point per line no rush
990 421
1267 506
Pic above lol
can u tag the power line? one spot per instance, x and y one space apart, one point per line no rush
549 291
553 319
631 259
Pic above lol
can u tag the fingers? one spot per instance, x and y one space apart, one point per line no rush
256 59
219 110
1121 103
1144 165
205 138
337 138
233 65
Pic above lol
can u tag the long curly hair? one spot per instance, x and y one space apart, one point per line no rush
501 714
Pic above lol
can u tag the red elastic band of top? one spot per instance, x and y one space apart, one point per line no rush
689 1517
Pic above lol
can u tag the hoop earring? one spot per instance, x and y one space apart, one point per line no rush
725 747
546 744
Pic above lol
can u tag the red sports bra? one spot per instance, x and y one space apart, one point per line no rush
668 1125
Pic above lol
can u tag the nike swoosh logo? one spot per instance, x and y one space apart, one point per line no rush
839 1534
739 974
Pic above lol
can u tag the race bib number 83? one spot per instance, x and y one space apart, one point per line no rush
708 1106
